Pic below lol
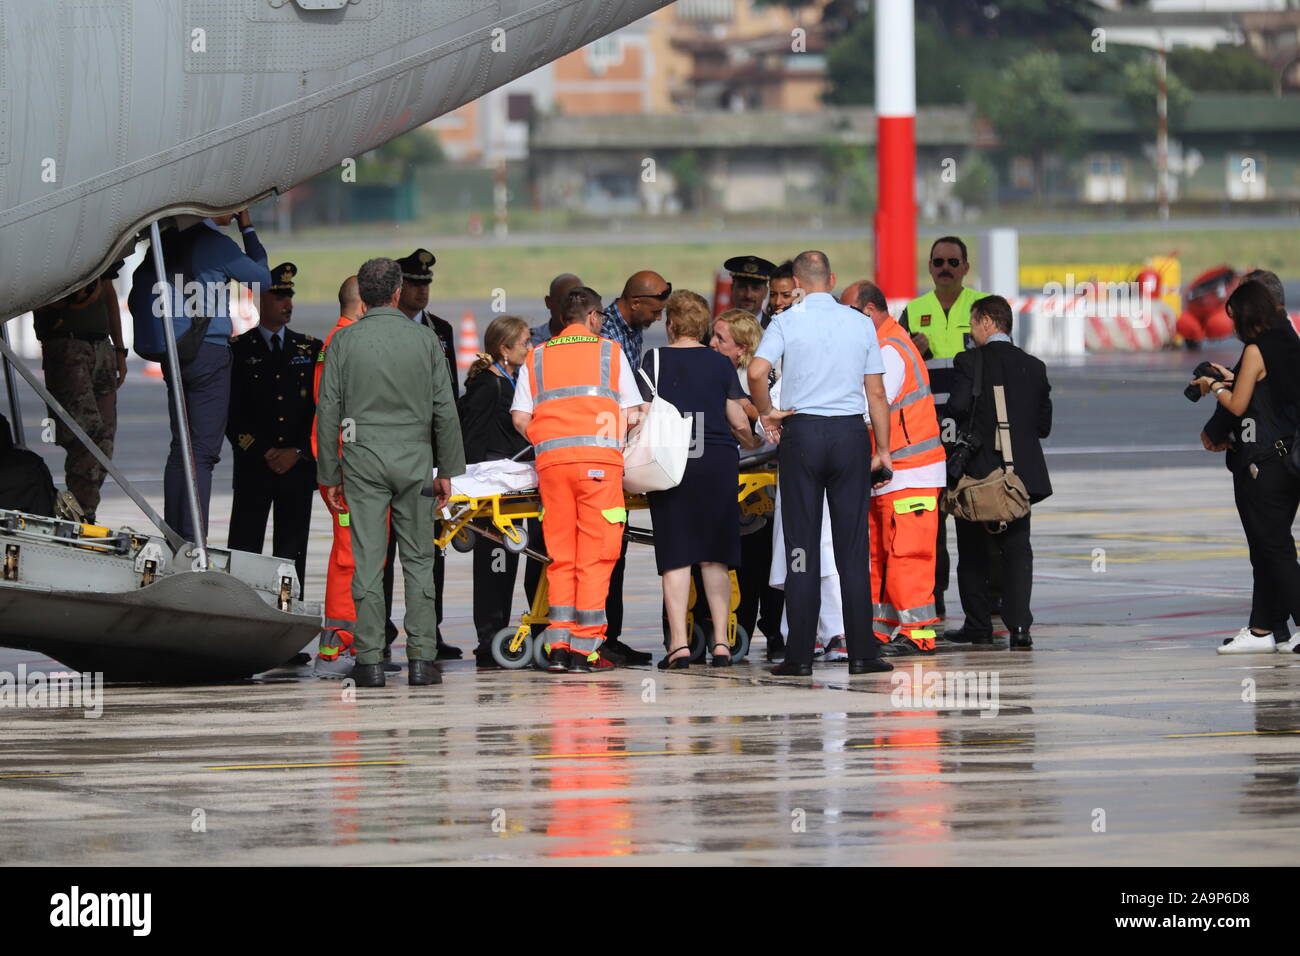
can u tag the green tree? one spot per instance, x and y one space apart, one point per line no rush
959 43
689 175
397 160
853 176
975 179
1030 110
1222 70
1138 88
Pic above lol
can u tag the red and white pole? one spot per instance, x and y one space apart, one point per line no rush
895 149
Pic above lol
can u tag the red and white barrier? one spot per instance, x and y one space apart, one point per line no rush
1045 325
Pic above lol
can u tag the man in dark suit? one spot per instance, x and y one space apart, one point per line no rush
1029 414
272 407
417 277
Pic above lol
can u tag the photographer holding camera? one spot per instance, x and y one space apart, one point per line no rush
1260 400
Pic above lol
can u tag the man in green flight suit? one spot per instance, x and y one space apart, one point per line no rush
385 389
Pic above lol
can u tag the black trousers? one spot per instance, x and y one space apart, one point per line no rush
830 457
439 575
258 490
495 570
942 566
980 557
760 604
1267 507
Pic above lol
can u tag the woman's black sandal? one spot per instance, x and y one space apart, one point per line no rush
671 662
717 661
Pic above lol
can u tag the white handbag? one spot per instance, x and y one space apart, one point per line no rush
654 458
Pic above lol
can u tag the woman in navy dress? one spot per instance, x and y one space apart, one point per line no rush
698 522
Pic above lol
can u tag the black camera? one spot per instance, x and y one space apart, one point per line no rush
1193 391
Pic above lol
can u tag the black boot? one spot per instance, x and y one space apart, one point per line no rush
447 652
1020 638
963 636
870 665
423 672
368 675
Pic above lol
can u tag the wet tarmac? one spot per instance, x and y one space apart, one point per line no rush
1120 739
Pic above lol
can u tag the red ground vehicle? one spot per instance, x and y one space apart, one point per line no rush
1205 316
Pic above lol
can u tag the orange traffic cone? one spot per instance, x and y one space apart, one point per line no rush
468 347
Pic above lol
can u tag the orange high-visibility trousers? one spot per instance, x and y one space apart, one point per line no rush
583 517
340 611
904 530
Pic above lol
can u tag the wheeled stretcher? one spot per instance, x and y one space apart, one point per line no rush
501 516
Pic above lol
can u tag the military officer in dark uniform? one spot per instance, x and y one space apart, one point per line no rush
417 276
749 276
269 427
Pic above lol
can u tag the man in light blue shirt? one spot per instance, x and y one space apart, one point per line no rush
832 373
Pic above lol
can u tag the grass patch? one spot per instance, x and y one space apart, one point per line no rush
525 272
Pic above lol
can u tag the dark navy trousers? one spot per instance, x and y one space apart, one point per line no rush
831 456
205 380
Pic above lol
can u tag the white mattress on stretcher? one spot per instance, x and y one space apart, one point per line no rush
486 478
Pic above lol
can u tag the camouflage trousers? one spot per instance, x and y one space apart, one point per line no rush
82 376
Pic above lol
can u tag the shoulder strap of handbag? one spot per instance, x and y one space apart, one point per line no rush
1004 427
654 386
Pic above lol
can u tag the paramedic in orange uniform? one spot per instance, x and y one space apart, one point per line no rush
904 514
573 401
336 656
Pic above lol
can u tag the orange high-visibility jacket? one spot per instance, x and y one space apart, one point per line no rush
574 379
913 422
342 323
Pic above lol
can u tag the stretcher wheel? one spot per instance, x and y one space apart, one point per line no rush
515 538
505 656
741 647
462 541
539 649
751 523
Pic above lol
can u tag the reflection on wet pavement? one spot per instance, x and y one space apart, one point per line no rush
1121 739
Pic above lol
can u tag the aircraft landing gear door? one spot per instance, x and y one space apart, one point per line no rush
167 299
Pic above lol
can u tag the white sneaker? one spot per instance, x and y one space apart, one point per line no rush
1290 647
835 650
1247 643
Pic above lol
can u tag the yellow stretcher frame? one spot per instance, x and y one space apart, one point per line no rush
505 513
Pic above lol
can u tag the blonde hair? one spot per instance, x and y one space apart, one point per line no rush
688 314
502 330
745 332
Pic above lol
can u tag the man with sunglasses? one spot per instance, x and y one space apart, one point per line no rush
939 323
644 298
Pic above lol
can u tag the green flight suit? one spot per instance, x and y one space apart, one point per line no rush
386 390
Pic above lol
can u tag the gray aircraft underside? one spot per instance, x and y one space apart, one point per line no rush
114 113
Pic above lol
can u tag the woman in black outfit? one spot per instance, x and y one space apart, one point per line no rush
1265 395
698 522
489 436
